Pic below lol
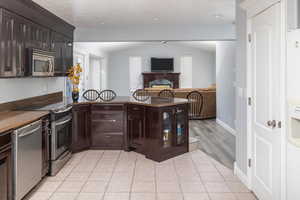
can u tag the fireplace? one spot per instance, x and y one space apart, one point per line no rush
161 83
170 80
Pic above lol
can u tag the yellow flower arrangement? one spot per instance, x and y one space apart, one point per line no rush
74 76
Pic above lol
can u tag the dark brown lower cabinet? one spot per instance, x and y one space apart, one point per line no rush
46 146
136 127
107 128
81 127
159 133
5 167
167 132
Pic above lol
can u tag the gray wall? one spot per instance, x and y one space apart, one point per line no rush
241 83
118 64
225 79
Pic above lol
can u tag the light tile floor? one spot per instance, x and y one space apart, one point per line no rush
119 175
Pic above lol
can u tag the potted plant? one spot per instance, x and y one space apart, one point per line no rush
74 76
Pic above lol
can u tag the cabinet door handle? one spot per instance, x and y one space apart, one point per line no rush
105 120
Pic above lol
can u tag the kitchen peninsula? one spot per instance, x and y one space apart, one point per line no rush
156 127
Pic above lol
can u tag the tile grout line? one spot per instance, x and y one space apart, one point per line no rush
155 181
114 168
199 174
89 175
178 180
54 192
136 159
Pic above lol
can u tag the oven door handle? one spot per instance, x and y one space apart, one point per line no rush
62 111
63 122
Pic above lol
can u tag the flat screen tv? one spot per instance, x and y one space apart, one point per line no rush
162 64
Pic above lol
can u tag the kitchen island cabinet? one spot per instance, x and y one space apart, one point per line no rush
157 127
107 126
81 128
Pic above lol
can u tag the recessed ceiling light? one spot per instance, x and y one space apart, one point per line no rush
155 18
219 16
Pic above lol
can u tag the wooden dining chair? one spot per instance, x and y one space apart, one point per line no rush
141 95
195 99
107 95
91 95
166 93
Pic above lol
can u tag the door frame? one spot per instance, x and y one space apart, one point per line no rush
253 8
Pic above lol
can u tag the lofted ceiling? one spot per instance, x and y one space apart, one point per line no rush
125 13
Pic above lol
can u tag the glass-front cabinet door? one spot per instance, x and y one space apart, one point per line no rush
181 126
167 127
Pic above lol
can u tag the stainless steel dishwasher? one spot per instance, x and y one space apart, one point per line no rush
27 158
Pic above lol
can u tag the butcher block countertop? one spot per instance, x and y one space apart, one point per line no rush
11 120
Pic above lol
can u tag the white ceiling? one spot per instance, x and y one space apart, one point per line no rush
125 13
108 47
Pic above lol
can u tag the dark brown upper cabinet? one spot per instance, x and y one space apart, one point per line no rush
9 49
24 30
63 48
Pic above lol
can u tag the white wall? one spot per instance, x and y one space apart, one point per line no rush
118 64
241 83
225 80
21 88
94 78
156 32
293 95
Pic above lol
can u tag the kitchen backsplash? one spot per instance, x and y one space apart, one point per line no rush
16 89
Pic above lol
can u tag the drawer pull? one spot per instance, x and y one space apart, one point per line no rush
105 120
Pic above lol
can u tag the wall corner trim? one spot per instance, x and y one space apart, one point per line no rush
226 126
242 176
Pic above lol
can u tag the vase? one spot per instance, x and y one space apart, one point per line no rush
75 97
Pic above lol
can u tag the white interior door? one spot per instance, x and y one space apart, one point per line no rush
266 138
186 71
135 73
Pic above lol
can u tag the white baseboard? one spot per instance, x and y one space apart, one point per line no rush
243 177
226 126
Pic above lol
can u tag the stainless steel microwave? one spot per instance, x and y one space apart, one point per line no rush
41 63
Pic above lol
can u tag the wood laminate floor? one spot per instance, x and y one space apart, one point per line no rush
214 140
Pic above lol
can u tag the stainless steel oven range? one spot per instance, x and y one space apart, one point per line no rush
61 136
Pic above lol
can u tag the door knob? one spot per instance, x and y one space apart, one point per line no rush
272 123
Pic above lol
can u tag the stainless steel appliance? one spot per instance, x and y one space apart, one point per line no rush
27 162
61 135
41 63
